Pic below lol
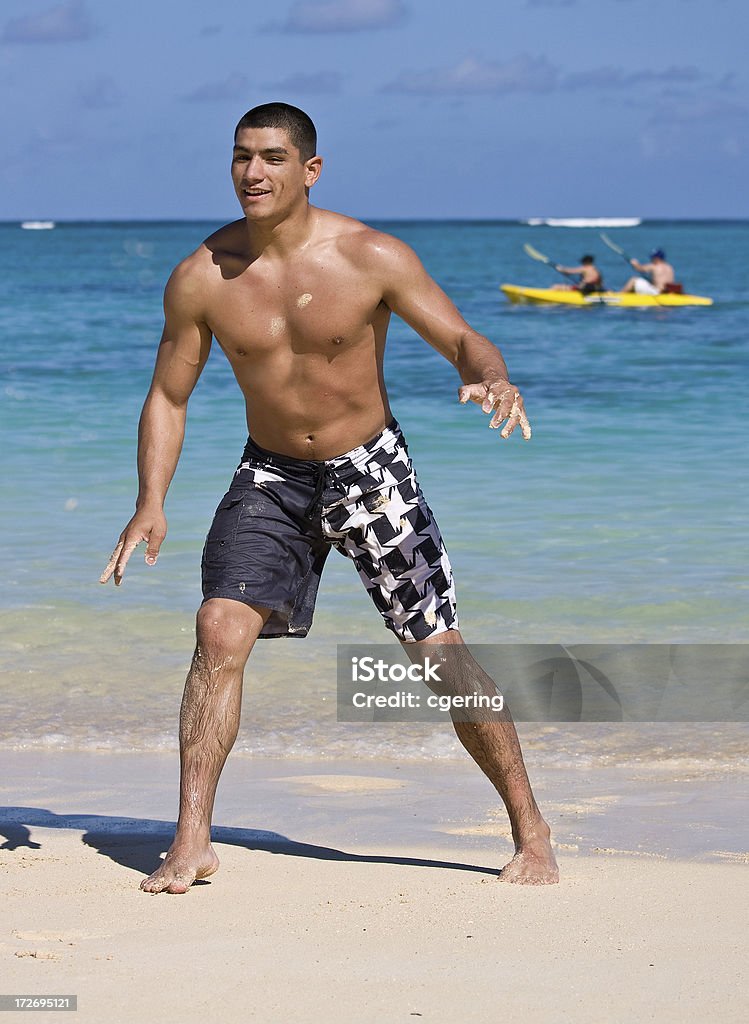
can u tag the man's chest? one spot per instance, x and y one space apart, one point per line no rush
312 308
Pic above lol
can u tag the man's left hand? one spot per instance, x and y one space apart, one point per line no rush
503 400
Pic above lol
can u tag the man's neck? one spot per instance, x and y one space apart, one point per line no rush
282 238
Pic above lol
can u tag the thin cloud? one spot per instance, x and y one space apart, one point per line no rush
709 125
618 78
342 15
473 76
65 23
728 82
702 110
560 3
100 93
536 74
317 83
229 88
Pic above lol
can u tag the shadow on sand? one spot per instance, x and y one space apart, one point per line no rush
137 843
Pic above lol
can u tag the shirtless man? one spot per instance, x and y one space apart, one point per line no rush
299 300
660 275
591 279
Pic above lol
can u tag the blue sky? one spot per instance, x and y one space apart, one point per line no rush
512 108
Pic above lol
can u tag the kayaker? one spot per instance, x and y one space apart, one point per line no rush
591 279
660 276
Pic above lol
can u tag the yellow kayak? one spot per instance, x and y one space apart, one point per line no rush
560 296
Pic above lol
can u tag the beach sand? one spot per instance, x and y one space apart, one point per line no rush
367 891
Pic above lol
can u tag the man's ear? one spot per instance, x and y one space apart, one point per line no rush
313 167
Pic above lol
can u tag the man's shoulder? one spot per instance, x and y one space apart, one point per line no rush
362 244
226 240
230 239
195 270
187 282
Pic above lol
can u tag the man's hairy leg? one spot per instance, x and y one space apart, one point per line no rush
208 724
492 741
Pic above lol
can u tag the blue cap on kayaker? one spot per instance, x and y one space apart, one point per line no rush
657 254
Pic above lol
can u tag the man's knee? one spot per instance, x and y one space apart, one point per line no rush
456 669
226 627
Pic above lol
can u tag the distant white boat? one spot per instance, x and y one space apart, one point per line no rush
584 222
37 225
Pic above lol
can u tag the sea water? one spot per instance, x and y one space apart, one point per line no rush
623 520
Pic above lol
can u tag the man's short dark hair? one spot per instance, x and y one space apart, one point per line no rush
297 125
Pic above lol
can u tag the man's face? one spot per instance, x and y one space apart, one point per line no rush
268 174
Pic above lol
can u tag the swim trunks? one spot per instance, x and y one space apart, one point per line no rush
276 524
645 287
590 287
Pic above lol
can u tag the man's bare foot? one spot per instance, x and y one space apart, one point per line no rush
534 863
181 867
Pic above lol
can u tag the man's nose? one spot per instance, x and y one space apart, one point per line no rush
254 170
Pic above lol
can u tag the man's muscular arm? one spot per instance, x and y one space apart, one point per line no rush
410 293
183 351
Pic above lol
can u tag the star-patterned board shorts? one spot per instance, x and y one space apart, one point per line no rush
276 524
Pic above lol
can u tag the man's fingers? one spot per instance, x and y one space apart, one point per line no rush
512 422
127 550
505 407
105 576
517 416
154 544
139 529
471 393
503 401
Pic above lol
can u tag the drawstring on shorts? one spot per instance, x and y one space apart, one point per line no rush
316 501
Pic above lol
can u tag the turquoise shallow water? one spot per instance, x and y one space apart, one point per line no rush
622 520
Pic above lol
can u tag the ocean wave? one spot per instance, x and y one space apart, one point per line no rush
583 222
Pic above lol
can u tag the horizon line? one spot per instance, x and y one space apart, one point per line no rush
523 221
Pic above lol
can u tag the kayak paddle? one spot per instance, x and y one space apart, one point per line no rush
615 248
539 256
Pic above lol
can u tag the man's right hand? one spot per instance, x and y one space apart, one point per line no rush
146 525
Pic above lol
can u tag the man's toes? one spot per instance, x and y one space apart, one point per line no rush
168 881
151 885
157 882
179 885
